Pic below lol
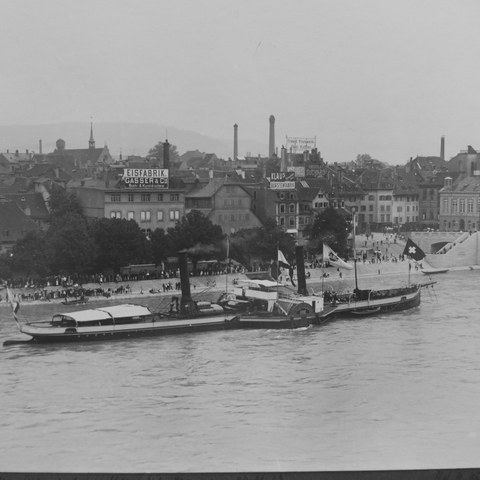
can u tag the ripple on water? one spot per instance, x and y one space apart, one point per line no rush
395 391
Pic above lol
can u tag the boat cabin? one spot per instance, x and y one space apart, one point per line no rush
114 315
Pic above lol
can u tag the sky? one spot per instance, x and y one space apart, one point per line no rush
386 78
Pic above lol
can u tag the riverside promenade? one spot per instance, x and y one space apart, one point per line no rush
378 275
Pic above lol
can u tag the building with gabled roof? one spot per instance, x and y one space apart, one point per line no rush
47 170
33 205
79 162
226 202
14 224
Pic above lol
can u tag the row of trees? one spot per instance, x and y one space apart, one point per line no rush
76 244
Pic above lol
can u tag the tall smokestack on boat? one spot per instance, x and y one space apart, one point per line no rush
186 303
301 279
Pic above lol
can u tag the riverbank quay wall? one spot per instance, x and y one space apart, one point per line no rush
454 249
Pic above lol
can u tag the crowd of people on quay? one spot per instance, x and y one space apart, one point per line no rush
63 287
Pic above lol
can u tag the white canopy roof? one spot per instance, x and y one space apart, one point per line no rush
104 313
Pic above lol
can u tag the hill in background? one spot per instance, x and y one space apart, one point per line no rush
121 137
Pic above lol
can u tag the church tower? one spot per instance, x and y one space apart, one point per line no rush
91 142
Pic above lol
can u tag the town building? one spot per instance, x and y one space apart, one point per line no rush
226 202
14 224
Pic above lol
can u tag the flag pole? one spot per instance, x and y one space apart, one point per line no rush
14 303
228 264
278 265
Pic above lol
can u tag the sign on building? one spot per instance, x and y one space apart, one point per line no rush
298 171
146 177
282 181
300 144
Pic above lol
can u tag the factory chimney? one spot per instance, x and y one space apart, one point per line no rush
283 159
271 144
442 147
235 142
166 155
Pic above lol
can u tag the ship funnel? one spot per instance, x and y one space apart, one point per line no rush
301 279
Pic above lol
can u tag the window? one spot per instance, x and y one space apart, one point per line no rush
370 208
388 208
462 205
445 205
399 209
470 205
363 208
454 205
115 197
292 196
371 197
292 221
115 214
160 197
130 197
408 208
382 208
291 208
174 197
131 215
145 216
282 208
145 197
282 220
174 215
159 215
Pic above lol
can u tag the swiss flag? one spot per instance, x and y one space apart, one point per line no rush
413 251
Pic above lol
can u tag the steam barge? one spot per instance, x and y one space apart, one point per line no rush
130 320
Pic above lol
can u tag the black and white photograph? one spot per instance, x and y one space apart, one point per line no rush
240 238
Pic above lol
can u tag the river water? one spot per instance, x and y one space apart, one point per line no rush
399 391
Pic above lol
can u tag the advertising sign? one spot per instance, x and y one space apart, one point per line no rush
282 181
146 177
298 171
300 144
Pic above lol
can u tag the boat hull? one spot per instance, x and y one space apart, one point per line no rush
153 329
372 307
254 321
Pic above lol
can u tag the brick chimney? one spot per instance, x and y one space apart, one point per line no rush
271 143
235 142
166 155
